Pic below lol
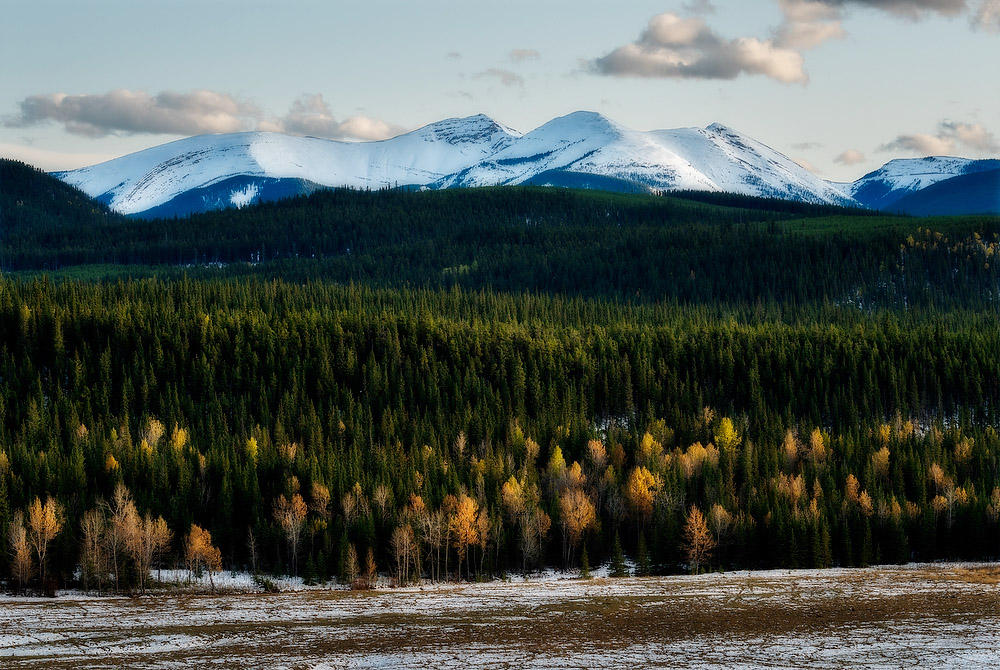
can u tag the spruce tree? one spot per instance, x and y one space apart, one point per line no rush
642 564
618 567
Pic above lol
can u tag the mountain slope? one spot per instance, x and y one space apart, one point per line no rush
899 178
975 193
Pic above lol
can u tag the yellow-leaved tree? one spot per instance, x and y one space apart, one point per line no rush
201 554
577 515
20 551
45 520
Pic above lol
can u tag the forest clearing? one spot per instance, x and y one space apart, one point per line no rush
942 615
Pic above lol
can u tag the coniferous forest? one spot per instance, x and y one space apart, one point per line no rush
473 383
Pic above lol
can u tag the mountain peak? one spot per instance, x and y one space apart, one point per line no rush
467 129
587 117
722 129
578 125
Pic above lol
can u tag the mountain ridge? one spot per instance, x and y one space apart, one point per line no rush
581 149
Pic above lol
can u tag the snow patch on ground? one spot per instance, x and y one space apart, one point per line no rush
942 616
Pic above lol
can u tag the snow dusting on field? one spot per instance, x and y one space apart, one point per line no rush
945 616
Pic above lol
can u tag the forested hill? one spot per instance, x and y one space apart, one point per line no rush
30 198
475 382
694 248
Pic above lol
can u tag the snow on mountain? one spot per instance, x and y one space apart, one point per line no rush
582 149
901 177
704 159
151 178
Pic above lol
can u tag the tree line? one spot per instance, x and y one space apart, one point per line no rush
691 248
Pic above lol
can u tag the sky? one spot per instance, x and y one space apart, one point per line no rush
842 86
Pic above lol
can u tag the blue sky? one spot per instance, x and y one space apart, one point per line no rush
880 79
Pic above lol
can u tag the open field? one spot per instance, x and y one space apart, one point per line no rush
946 616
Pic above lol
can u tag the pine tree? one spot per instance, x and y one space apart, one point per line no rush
643 568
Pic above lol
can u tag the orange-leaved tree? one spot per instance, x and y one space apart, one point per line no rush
698 540
201 554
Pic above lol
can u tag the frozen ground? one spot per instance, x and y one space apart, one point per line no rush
942 616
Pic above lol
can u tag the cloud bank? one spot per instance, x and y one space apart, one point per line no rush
675 46
678 47
128 112
124 111
950 138
311 115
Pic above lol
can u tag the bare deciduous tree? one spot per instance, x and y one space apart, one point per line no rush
145 542
403 548
93 558
291 515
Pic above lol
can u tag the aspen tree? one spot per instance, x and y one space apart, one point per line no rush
45 520
93 560
577 515
291 516
201 554
20 551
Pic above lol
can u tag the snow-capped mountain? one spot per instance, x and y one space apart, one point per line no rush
583 148
247 164
902 177
715 158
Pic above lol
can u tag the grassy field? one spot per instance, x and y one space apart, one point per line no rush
919 616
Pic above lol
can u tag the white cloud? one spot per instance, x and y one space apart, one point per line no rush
125 112
987 17
521 55
808 23
686 47
677 47
850 157
912 9
311 115
951 137
505 77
